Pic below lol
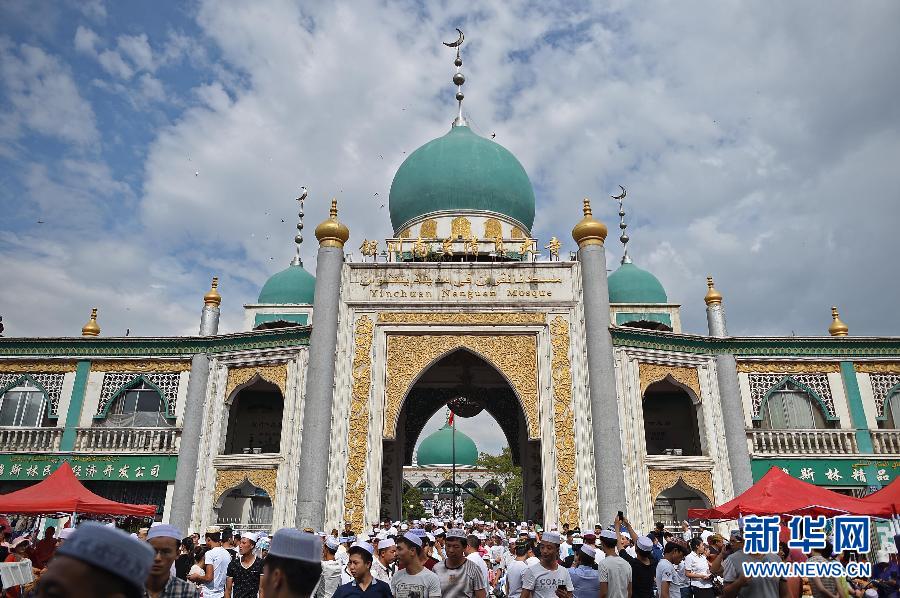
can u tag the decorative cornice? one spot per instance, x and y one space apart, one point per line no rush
788 367
182 346
877 367
475 318
140 366
844 347
31 367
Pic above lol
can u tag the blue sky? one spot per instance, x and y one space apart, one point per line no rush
161 143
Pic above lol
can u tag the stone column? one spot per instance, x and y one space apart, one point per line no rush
608 463
730 396
315 442
192 424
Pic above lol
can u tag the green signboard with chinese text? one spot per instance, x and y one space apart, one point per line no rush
833 472
118 468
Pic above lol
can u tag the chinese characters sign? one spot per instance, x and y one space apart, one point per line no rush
833 472
118 468
807 533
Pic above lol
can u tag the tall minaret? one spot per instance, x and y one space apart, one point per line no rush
313 470
729 395
209 318
590 235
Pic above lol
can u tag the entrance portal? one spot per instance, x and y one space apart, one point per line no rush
469 384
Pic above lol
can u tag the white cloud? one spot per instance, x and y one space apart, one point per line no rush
86 40
137 49
113 63
44 97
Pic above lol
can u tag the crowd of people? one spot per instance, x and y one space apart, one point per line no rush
416 559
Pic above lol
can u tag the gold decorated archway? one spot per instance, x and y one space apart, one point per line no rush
513 355
656 372
226 479
274 373
663 479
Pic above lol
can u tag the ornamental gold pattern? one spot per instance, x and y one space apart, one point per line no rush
492 228
788 367
514 356
274 373
654 372
877 367
227 479
663 479
476 318
461 227
429 229
35 367
563 422
358 427
155 367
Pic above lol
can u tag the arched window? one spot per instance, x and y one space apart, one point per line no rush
790 408
23 406
140 406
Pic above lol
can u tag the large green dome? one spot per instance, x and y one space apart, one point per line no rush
437 449
630 284
461 171
292 285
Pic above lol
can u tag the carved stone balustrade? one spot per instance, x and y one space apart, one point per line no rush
818 442
37 440
128 440
886 442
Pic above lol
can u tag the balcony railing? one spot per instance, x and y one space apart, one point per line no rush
802 442
886 442
38 440
128 440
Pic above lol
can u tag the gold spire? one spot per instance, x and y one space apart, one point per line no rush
92 328
332 233
589 231
713 297
213 298
837 328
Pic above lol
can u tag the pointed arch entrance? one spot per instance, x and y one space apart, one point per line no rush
465 377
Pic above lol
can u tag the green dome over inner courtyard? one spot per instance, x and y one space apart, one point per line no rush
630 284
437 449
292 285
461 171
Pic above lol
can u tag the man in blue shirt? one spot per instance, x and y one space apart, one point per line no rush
584 573
363 584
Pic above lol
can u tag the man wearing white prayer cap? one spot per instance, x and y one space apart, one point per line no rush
546 579
166 540
383 565
293 566
244 573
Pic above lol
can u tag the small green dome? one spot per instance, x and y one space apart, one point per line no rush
630 284
461 171
290 286
437 449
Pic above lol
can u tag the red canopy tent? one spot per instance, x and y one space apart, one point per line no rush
889 494
777 493
61 492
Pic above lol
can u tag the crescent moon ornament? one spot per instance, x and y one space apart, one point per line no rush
458 42
621 196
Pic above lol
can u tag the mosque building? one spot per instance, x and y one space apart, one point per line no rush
310 416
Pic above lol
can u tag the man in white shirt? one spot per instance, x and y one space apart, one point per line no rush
666 570
614 572
705 533
547 579
216 565
696 568
517 567
331 570
383 566
413 580
473 543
